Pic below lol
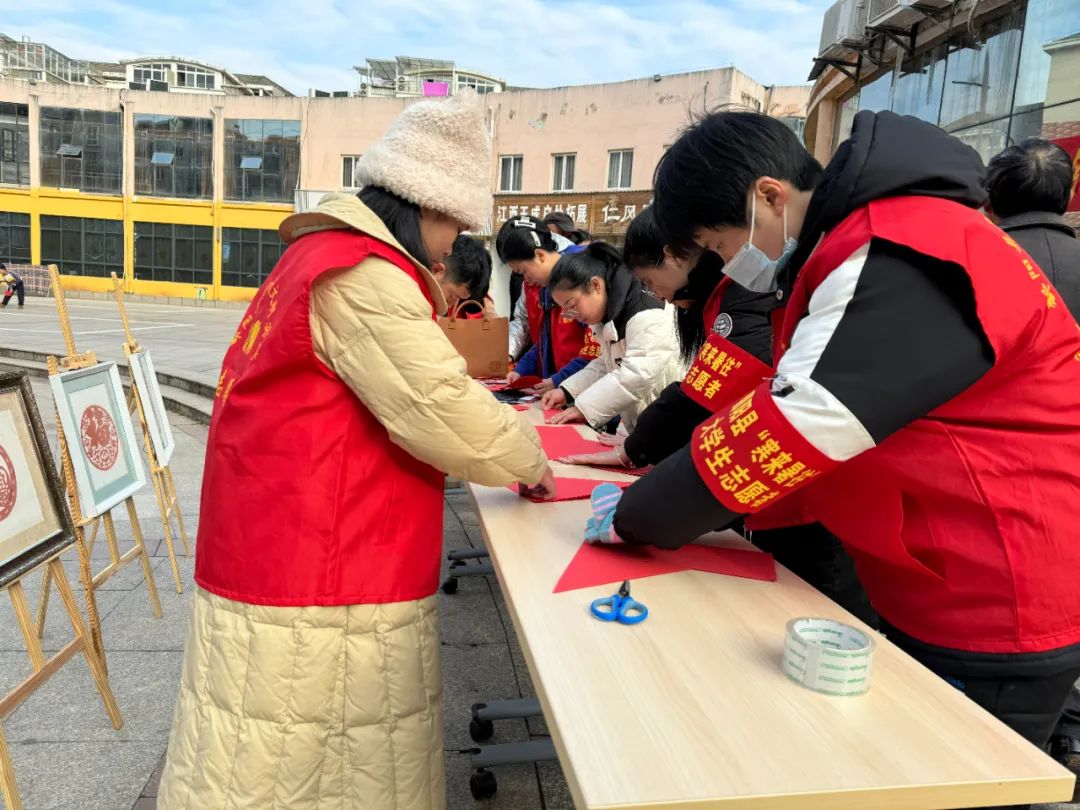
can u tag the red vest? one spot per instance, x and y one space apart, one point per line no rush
305 499
569 338
964 525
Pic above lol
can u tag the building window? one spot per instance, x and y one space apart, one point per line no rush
81 149
14 144
348 171
479 85
980 73
151 73
796 125
620 168
919 84
191 76
248 256
875 96
510 169
181 253
174 156
563 179
14 238
262 159
1048 67
83 247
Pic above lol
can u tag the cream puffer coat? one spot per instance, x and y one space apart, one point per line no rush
639 357
339 708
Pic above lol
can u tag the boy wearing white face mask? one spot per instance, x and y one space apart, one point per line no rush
923 402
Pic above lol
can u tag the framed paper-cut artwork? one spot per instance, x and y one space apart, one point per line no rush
34 521
100 437
153 406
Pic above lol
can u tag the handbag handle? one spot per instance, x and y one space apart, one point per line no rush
461 305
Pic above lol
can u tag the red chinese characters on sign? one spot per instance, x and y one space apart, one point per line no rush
9 489
751 455
720 369
99 437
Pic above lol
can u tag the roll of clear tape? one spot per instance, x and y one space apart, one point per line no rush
828 656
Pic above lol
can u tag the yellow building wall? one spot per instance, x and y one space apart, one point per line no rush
38 202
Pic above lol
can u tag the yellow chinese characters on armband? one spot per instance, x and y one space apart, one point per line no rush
720 371
751 455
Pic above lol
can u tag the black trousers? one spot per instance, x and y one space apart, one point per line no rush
15 289
815 555
1069 723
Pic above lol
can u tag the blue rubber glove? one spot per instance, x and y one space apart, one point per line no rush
598 528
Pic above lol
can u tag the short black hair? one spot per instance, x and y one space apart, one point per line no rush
520 238
566 226
1033 175
401 218
703 180
643 244
575 270
469 263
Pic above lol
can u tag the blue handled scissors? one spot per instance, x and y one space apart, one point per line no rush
620 607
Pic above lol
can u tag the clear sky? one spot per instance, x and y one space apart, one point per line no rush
315 43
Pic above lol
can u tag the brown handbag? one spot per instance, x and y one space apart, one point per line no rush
484 343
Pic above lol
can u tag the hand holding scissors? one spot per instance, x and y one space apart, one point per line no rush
620 607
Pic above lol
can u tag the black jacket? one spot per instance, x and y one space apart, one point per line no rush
1053 245
668 423
896 339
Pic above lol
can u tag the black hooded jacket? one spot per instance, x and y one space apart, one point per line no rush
908 339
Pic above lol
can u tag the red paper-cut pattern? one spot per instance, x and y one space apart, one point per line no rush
100 440
607 563
9 488
572 489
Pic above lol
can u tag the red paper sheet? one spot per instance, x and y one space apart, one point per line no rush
524 406
573 489
524 382
564 440
559 441
612 563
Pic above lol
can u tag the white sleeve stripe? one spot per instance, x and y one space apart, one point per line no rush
819 416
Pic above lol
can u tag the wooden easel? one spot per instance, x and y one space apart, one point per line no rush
46 668
161 476
91 582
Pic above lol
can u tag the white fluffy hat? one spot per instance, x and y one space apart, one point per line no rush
437 154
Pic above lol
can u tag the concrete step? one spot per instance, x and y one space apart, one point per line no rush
188 399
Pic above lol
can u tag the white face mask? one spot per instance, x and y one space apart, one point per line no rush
751 268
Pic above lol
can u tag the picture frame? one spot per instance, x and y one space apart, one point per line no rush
141 366
100 437
35 523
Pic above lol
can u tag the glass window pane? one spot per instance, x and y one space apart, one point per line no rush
627 169
1049 71
614 162
918 86
875 95
980 73
988 139
519 165
571 161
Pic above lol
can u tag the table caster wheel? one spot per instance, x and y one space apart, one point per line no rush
481 730
450 586
483 785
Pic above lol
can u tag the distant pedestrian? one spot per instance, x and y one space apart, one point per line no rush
14 286
1030 185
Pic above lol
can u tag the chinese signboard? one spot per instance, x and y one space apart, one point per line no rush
605 215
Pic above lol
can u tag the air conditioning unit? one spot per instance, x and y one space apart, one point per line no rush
844 28
362 92
901 13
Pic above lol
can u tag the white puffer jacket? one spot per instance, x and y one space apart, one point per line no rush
639 357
